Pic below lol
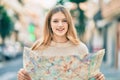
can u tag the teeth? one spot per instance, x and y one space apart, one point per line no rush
60 29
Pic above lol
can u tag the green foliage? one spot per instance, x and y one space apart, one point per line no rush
6 24
31 30
60 2
77 1
81 18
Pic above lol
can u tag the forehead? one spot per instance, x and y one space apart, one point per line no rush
58 15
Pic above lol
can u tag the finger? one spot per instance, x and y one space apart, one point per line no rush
23 74
20 77
23 71
100 76
23 77
97 76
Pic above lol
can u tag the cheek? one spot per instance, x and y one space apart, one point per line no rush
53 28
67 27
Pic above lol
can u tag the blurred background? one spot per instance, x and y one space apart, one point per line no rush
97 23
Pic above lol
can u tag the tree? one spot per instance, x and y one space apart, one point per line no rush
81 26
6 24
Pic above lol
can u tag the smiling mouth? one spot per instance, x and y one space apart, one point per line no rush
59 29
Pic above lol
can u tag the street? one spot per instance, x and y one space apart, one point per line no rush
110 73
9 69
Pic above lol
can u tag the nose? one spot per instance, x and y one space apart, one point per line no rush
60 24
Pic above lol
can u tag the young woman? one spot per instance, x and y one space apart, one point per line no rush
59 39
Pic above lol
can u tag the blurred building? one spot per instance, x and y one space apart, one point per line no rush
102 30
111 12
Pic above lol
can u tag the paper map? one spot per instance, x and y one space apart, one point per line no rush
70 67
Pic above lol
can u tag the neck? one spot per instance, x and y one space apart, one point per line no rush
60 39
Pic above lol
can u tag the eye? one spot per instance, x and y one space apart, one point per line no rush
55 21
64 21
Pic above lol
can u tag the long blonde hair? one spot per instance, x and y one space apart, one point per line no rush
47 32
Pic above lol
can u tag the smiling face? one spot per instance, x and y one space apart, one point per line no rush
59 24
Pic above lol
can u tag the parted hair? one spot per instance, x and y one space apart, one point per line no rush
47 31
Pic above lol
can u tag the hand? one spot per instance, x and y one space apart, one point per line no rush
100 76
23 75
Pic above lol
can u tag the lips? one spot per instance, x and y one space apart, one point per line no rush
60 29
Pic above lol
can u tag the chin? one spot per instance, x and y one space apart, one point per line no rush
61 35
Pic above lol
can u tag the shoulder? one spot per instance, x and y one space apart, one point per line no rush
82 48
36 44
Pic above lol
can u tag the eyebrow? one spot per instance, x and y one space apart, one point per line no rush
59 19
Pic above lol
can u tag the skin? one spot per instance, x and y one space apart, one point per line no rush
59 28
